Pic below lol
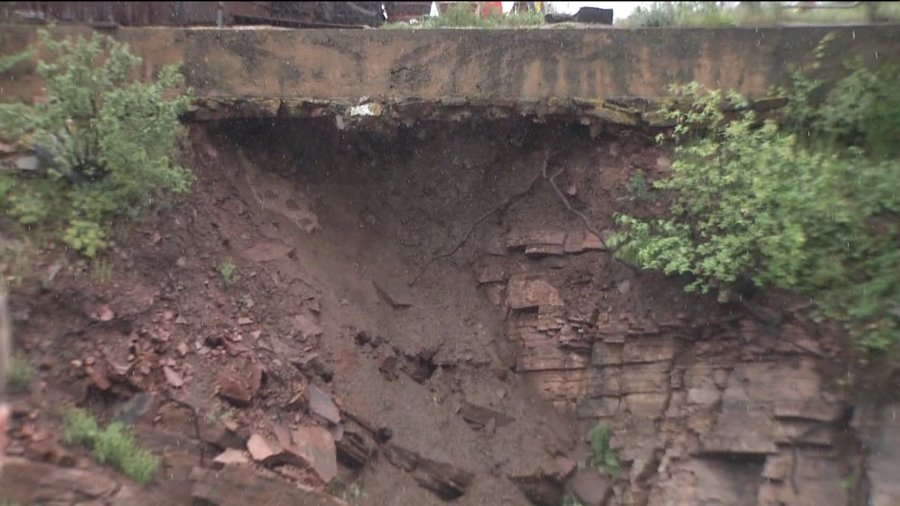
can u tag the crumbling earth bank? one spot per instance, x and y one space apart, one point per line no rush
431 314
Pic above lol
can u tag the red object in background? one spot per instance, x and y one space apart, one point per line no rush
404 11
491 8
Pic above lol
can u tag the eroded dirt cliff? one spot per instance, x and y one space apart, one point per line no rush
431 314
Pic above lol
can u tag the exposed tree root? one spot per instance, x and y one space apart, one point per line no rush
584 219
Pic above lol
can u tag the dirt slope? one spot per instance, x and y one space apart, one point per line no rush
472 380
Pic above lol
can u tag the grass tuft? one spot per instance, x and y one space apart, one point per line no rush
114 445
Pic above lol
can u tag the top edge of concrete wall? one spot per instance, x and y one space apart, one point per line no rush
476 64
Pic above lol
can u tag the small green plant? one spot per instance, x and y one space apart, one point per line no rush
20 374
228 273
352 493
218 416
570 500
114 445
101 270
849 482
638 188
603 456
246 301
103 142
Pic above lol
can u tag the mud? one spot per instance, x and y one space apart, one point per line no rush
462 327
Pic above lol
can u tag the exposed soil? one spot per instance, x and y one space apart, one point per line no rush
469 377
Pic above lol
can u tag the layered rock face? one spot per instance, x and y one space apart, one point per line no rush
709 404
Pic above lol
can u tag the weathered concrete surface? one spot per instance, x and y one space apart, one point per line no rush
477 65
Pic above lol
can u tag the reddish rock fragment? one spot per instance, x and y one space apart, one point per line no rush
526 293
581 240
261 449
231 456
98 379
173 378
321 404
316 446
238 388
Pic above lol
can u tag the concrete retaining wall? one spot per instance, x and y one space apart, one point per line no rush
479 65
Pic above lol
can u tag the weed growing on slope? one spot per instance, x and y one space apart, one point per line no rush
603 456
228 273
114 445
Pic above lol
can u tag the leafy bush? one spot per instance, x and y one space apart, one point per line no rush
114 445
860 111
104 141
603 456
811 207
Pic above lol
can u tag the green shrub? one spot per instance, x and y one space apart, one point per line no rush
860 111
811 208
79 427
114 445
105 141
603 456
